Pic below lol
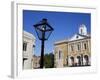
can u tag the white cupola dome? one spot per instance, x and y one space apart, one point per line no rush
82 30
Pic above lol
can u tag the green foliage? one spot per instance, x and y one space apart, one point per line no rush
49 60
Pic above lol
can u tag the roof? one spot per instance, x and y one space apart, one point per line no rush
73 38
78 37
61 41
28 35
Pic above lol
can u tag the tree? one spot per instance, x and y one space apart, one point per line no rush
49 60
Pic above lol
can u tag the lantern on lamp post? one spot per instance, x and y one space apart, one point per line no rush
43 30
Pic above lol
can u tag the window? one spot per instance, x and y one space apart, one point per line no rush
24 59
81 31
78 47
33 46
59 54
24 46
85 47
72 61
86 59
76 36
72 48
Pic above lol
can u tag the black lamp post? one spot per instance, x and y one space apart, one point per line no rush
43 30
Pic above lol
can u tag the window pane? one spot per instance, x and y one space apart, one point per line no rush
59 54
78 47
85 46
24 46
72 47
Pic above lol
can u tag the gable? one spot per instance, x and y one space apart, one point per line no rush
77 37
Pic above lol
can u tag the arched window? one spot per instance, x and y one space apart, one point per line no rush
86 60
81 31
79 60
72 61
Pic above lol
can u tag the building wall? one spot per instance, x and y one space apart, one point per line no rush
81 52
63 48
29 39
36 62
67 52
75 51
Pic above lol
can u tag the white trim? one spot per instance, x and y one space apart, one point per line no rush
14 64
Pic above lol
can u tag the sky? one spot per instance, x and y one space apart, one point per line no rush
65 25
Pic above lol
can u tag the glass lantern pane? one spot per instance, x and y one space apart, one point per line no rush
47 34
43 27
39 33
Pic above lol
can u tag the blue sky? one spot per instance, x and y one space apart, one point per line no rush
65 25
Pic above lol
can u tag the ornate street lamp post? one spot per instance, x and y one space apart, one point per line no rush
43 30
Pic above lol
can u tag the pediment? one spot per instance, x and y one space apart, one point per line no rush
77 37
